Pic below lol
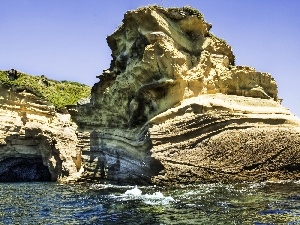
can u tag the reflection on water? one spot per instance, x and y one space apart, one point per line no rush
51 203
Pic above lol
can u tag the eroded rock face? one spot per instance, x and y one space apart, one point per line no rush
226 138
31 133
174 108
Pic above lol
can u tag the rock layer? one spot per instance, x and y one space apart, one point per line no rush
174 108
34 136
233 139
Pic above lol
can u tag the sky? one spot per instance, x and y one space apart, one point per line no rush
66 39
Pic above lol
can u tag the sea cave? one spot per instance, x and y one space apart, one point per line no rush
21 169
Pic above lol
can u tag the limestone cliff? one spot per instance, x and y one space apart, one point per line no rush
37 140
174 108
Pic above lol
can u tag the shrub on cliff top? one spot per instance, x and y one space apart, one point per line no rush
188 10
58 93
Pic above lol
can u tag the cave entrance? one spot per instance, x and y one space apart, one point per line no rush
21 169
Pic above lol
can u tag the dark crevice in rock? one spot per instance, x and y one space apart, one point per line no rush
156 167
295 167
138 47
20 169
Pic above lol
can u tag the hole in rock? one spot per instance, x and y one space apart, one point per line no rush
295 167
21 169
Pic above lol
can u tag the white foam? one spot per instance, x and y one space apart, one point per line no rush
156 195
134 192
156 198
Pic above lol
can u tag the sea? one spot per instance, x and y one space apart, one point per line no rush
244 203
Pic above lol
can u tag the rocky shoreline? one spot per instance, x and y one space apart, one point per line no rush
173 108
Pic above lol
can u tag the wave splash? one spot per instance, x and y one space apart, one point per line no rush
157 198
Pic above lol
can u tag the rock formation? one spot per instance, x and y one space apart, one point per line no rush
37 142
174 108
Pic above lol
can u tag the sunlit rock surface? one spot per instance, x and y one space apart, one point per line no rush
174 108
36 142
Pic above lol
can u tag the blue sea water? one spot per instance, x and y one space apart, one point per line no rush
52 203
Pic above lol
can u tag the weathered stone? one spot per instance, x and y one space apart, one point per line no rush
31 133
176 109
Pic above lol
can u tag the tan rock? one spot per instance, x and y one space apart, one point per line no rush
174 108
30 128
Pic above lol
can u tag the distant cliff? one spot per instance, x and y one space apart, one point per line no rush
174 108
37 137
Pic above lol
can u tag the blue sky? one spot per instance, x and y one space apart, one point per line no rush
65 39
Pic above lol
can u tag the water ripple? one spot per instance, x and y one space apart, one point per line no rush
51 203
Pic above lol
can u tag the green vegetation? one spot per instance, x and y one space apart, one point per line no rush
184 11
58 93
192 11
